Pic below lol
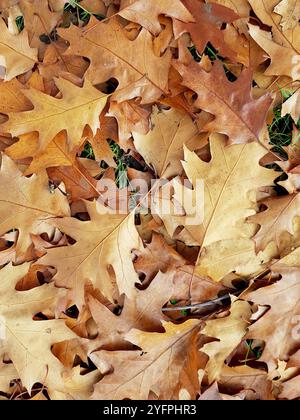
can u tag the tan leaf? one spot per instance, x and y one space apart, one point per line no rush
277 44
213 394
11 99
146 12
103 242
253 381
162 147
56 65
224 215
290 66
38 19
157 256
50 115
290 389
168 362
8 373
15 53
26 203
136 77
143 311
290 12
131 118
229 331
277 218
28 342
292 106
78 385
278 327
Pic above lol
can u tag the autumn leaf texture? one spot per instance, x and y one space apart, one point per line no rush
150 200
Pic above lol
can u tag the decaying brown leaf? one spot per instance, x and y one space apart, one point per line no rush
136 373
231 103
149 211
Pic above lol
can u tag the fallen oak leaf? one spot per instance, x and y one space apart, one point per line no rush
131 118
16 56
213 394
290 12
8 373
146 12
254 382
157 256
278 326
55 64
169 362
290 66
162 146
79 184
61 164
291 165
236 113
143 312
292 106
11 98
207 26
50 115
38 19
99 142
26 203
240 7
290 389
95 252
78 385
165 38
278 43
278 218
224 220
290 378
27 342
228 331
55 154
192 288
103 44
225 257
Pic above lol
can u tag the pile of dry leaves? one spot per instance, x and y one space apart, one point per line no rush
194 294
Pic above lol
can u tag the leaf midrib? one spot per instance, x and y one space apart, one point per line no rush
56 114
143 370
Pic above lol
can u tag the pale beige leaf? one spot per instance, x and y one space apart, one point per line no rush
15 53
229 331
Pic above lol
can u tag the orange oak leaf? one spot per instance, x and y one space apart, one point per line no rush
15 53
143 311
50 116
157 256
166 362
38 19
96 243
279 42
146 12
26 203
276 219
28 342
278 327
104 45
131 118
